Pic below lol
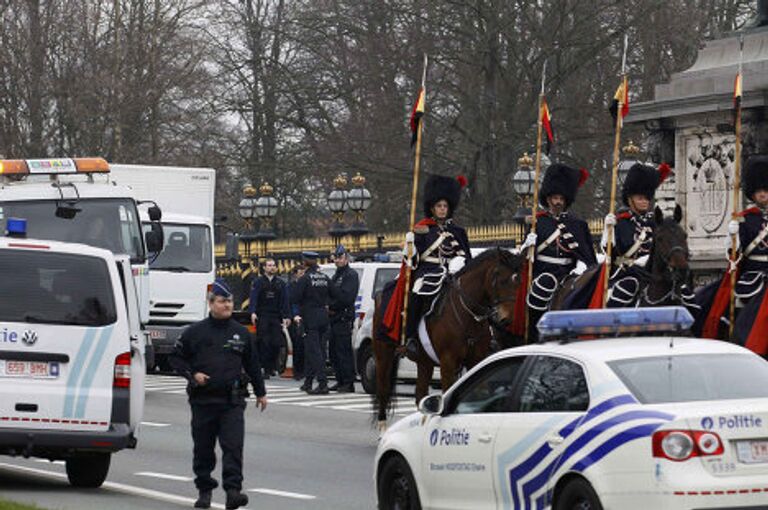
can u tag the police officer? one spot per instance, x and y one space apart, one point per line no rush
633 232
217 356
312 295
563 241
270 313
344 287
437 241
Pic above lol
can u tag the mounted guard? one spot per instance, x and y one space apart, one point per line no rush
563 242
438 240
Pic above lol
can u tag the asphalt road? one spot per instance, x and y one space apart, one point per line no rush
302 453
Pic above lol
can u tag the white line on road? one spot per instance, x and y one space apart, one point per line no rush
46 461
164 476
284 494
116 487
155 424
341 400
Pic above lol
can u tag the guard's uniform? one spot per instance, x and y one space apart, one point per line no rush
344 287
312 295
633 242
222 349
751 283
270 302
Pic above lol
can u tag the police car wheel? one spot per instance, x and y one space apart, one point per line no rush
368 370
397 488
88 471
578 495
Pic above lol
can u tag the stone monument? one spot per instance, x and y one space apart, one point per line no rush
690 125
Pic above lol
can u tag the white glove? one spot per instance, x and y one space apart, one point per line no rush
733 227
408 242
610 219
641 261
728 245
579 269
530 240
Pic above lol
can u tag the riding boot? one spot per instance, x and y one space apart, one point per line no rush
412 326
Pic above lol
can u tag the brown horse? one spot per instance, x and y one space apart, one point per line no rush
480 295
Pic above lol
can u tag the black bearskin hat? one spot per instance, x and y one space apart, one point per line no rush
755 175
561 180
643 180
438 188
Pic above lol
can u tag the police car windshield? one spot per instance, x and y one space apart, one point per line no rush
110 223
693 378
55 288
187 249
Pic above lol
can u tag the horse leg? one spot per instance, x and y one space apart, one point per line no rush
385 355
448 370
424 376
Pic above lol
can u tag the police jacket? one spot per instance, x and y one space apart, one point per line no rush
312 295
222 349
343 292
269 298
632 228
561 241
436 244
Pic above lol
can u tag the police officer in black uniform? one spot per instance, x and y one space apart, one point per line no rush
563 241
270 313
312 295
217 357
344 287
633 232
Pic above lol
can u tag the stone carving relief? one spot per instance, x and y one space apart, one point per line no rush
709 171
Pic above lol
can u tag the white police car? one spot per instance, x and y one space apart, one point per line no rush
656 422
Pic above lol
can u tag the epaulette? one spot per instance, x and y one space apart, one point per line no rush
750 210
539 214
420 229
624 215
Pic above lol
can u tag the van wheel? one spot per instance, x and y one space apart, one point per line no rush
396 486
368 370
578 495
88 470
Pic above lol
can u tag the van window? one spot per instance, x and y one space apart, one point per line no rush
55 288
384 275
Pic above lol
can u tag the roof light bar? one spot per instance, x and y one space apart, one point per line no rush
669 319
54 166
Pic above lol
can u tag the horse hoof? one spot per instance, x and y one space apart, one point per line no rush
382 426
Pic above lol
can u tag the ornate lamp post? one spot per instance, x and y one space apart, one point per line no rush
522 182
247 210
631 156
266 209
338 205
359 200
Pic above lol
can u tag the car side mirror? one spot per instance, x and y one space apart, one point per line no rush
155 214
431 405
155 238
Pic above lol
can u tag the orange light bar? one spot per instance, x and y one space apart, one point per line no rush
13 167
91 165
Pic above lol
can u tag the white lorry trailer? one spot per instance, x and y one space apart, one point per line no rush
181 274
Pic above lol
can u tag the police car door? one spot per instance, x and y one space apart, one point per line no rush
552 399
458 452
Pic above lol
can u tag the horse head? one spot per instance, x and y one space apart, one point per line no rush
670 256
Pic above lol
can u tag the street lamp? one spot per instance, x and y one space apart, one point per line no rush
522 182
338 205
359 200
247 210
631 156
265 209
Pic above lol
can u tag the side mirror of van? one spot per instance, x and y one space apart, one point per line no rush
155 238
155 213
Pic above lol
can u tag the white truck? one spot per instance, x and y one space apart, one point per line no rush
180 275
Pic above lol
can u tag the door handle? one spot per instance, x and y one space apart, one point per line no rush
555 440
485 438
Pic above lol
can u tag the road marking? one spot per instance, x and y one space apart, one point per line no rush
273 492
340 400
164 476
131 490
46 461
155 424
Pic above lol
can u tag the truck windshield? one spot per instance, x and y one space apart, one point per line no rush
55 288
694 377
187 249
110 223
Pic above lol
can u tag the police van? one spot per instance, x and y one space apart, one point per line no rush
71 355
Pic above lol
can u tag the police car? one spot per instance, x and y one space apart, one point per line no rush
663 421
71 355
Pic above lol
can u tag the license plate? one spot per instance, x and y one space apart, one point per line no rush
30 369
753 452
157 334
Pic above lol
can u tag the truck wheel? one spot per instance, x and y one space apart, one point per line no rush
368 370
88 471
578 495
396 486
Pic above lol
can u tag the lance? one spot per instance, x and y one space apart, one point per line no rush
421 100
737 93
535 207
615 169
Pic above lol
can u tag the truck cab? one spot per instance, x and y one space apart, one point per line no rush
71 339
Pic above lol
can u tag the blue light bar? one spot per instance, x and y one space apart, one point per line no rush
615 321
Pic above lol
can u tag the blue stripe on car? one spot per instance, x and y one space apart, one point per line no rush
90 372
604 449
74 373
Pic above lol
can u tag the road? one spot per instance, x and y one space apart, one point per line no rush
304 452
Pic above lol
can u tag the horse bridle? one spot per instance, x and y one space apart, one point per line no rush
489 312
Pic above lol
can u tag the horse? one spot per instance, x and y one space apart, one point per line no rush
665 278
480 295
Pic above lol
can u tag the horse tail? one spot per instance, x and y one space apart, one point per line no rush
387 362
